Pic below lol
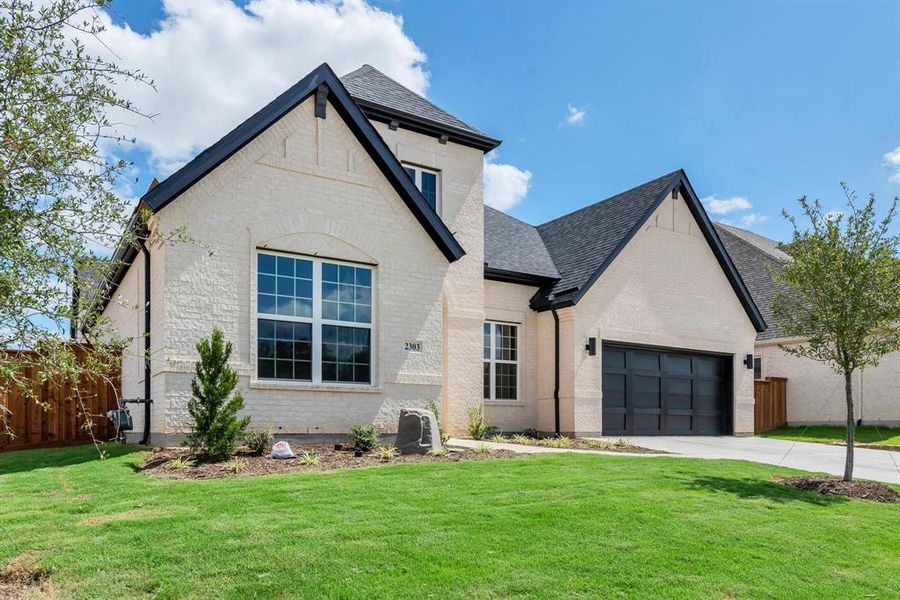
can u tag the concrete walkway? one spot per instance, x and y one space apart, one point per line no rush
878 465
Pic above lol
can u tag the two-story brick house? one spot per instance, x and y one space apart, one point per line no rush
342 244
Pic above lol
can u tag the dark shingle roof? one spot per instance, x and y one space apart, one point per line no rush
369 86
581 242
514 246
752 255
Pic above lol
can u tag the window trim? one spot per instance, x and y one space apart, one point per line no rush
417 180
492 360
316 322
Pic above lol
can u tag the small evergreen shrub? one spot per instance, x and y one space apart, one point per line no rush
215 426
478 425
532 433
259 440
365 437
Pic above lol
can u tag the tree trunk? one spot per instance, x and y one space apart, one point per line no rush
851 426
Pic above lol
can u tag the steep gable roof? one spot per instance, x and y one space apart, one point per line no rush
383 99
755 261
584 243
173 186
514 250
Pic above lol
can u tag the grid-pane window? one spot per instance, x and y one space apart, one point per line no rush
314 320
501 368
428 182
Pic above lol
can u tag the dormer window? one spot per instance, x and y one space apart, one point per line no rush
428 182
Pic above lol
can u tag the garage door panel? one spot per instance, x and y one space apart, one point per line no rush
645 392
678 393
644 361
613 359
650 392
678 365
614 385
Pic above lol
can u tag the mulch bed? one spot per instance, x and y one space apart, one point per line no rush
835 486
579 444
159 462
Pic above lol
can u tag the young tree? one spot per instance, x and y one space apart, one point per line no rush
56 186
216 426
841 291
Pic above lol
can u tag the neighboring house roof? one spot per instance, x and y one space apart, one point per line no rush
770 247
755 259
383 99
323 83
514 251
582 244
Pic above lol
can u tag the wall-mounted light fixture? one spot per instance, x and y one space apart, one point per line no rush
748 360
591 346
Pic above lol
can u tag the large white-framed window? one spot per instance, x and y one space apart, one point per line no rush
314 320
429 183
501 361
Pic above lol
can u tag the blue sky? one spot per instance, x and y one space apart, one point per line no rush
759 102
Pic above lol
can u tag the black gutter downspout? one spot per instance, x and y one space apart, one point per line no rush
142 241
556 366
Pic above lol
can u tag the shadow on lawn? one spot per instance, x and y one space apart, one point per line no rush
20 461
754 488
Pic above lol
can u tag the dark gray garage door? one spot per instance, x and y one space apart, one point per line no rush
664 392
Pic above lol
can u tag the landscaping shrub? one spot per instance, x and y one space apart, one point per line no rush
365 437
215 426
478 425
532 433
386 453
259 440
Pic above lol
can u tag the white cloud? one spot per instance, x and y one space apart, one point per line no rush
724 206
215 64
892 158
575 115
504 185
752 219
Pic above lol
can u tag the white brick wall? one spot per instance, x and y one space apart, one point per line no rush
815 393
665 289
306 186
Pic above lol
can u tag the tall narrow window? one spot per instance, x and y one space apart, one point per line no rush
314 320
428 183
757 367
501 361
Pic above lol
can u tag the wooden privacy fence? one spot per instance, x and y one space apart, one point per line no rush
66 407
771 403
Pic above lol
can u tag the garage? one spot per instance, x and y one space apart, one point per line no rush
654 391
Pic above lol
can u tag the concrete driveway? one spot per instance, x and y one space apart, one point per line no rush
879 465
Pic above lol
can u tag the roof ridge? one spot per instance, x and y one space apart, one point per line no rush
748 244
432 104
613 197
727 228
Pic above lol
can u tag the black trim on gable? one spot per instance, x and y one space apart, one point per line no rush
505 276
571 297
444 133
209 159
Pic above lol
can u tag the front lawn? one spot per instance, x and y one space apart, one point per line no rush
866 434
560 525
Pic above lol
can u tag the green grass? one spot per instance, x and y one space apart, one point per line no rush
549 526
866 434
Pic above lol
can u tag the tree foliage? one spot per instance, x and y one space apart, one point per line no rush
841 291
216 427
58 207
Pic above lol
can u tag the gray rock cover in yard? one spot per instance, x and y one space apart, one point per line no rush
417 431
